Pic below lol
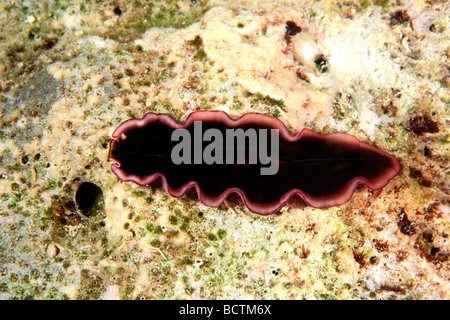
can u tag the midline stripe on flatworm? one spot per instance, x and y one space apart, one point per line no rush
323 169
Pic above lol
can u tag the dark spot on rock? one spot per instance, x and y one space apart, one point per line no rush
291 29
394 288
129 72
264 30
64 209
432 28
117 11
402 254
197 45
381 246
417 174
305 252
301 75
414 173
406 227
373 260
389 108
321 63
68 124
434 251
197 42
69 206
429 250
426 151
427 236
104 142
425 183
12 51
421 124
89 198
24 159
397 93
49 43
15 187
240 25
359 257
399 17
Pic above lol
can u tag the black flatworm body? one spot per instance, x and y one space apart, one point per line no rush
323 169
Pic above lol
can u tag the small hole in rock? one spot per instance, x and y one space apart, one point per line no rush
89 198
117 11
321 63
426 151
24 159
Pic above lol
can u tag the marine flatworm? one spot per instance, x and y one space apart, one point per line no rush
323 169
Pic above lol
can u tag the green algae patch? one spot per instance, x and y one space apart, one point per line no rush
164 14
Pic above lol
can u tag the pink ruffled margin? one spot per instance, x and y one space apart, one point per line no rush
267 121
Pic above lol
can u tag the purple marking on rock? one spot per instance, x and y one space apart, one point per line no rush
323 169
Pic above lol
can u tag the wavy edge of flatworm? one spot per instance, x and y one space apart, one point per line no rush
315 202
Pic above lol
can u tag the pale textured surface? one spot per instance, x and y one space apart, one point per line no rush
72 73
